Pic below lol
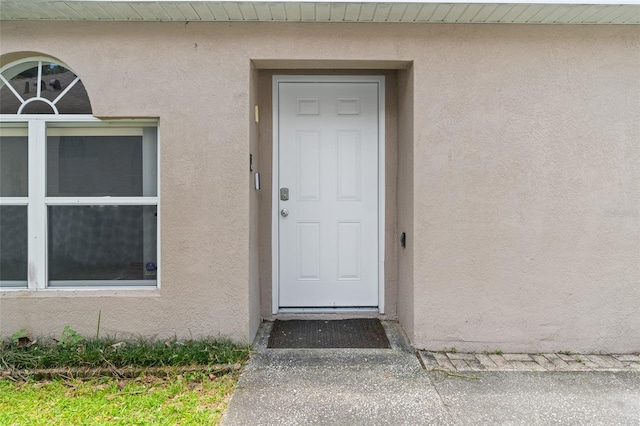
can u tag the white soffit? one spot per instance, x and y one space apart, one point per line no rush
451 11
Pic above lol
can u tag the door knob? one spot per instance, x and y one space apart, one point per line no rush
284 212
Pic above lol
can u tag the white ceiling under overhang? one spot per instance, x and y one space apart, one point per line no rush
453 11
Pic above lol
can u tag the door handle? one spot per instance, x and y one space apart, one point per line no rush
284 212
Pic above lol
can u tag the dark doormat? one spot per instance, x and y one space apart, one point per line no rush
351 333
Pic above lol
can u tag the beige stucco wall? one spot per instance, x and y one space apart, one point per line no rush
255 200
518 181
406 113
170 72
527 190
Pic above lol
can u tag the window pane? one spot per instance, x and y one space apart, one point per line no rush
38 107
102 245
22 78
14 172
55 79
75 101
13 246
101 166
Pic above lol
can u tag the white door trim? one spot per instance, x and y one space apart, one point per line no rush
277 79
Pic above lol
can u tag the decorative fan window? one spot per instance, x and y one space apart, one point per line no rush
78 194
42 86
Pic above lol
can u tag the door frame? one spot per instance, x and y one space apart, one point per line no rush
275 231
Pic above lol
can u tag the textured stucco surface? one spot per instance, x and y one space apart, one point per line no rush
406 114
254 212
518 179
527 191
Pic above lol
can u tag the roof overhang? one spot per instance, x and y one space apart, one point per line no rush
425 11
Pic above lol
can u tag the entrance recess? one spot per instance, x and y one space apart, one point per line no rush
328 192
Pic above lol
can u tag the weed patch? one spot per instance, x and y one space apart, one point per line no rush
73 351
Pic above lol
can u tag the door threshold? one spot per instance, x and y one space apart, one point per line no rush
328 310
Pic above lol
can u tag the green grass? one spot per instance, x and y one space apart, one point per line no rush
195 399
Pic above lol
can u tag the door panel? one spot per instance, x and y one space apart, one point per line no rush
328 160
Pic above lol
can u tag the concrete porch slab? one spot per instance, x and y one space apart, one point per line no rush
335 387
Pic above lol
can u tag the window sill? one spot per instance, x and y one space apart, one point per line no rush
22 293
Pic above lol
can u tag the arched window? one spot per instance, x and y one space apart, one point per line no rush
78 194
41 86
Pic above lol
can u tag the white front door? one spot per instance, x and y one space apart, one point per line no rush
326 184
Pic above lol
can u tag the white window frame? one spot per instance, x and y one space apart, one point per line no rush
37 202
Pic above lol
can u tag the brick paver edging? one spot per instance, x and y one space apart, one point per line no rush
455 361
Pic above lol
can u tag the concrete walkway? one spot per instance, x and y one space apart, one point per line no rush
391 387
